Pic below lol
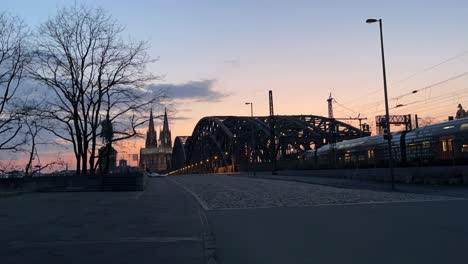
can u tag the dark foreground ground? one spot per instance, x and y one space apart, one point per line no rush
159 225
249 220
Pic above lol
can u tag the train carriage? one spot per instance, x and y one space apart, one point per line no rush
440 144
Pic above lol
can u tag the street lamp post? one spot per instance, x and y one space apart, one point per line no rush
254 156
387 115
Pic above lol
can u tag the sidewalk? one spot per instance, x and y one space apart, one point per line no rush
160 225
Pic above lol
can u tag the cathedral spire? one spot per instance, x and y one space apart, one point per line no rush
165 134
151 121
166 122
151 137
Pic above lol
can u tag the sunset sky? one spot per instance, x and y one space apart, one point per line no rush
216 55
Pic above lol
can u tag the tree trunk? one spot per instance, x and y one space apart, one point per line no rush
79 143
78 164
92 169
31 156
84 169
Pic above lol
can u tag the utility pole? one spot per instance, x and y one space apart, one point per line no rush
272 134
388 135
254 151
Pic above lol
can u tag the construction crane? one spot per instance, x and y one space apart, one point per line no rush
330 106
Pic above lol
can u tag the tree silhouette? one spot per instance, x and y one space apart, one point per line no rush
13 59
91 72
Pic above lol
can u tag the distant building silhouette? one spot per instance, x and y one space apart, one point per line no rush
156 158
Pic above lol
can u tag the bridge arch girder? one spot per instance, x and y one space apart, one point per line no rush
250 135
211 140
179 156
229 138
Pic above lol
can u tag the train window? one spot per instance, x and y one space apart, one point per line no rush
370 153
450 145
447 145
464 148
444 146
448 127
347 157
464 126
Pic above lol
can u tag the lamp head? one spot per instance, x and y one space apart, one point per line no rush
248 103
371 20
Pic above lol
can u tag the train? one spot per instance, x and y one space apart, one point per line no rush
439 144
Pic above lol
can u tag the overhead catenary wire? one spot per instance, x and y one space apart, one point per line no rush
431 85
396 83
430 103
366 107
427 103
461 54
433 110
347 108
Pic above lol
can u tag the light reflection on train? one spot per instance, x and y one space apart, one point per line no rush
440 144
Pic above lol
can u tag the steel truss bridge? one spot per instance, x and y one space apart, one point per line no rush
221 143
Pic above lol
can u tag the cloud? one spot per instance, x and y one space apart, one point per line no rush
202 91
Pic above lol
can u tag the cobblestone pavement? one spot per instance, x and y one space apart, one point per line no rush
222 191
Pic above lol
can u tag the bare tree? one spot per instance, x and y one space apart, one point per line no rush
13 59
92 74
33 129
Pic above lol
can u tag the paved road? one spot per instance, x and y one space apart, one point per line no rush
251 220
427 232
160 225
270 221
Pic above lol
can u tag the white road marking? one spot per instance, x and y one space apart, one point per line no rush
202 203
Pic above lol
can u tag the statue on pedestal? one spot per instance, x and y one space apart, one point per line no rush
461 113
